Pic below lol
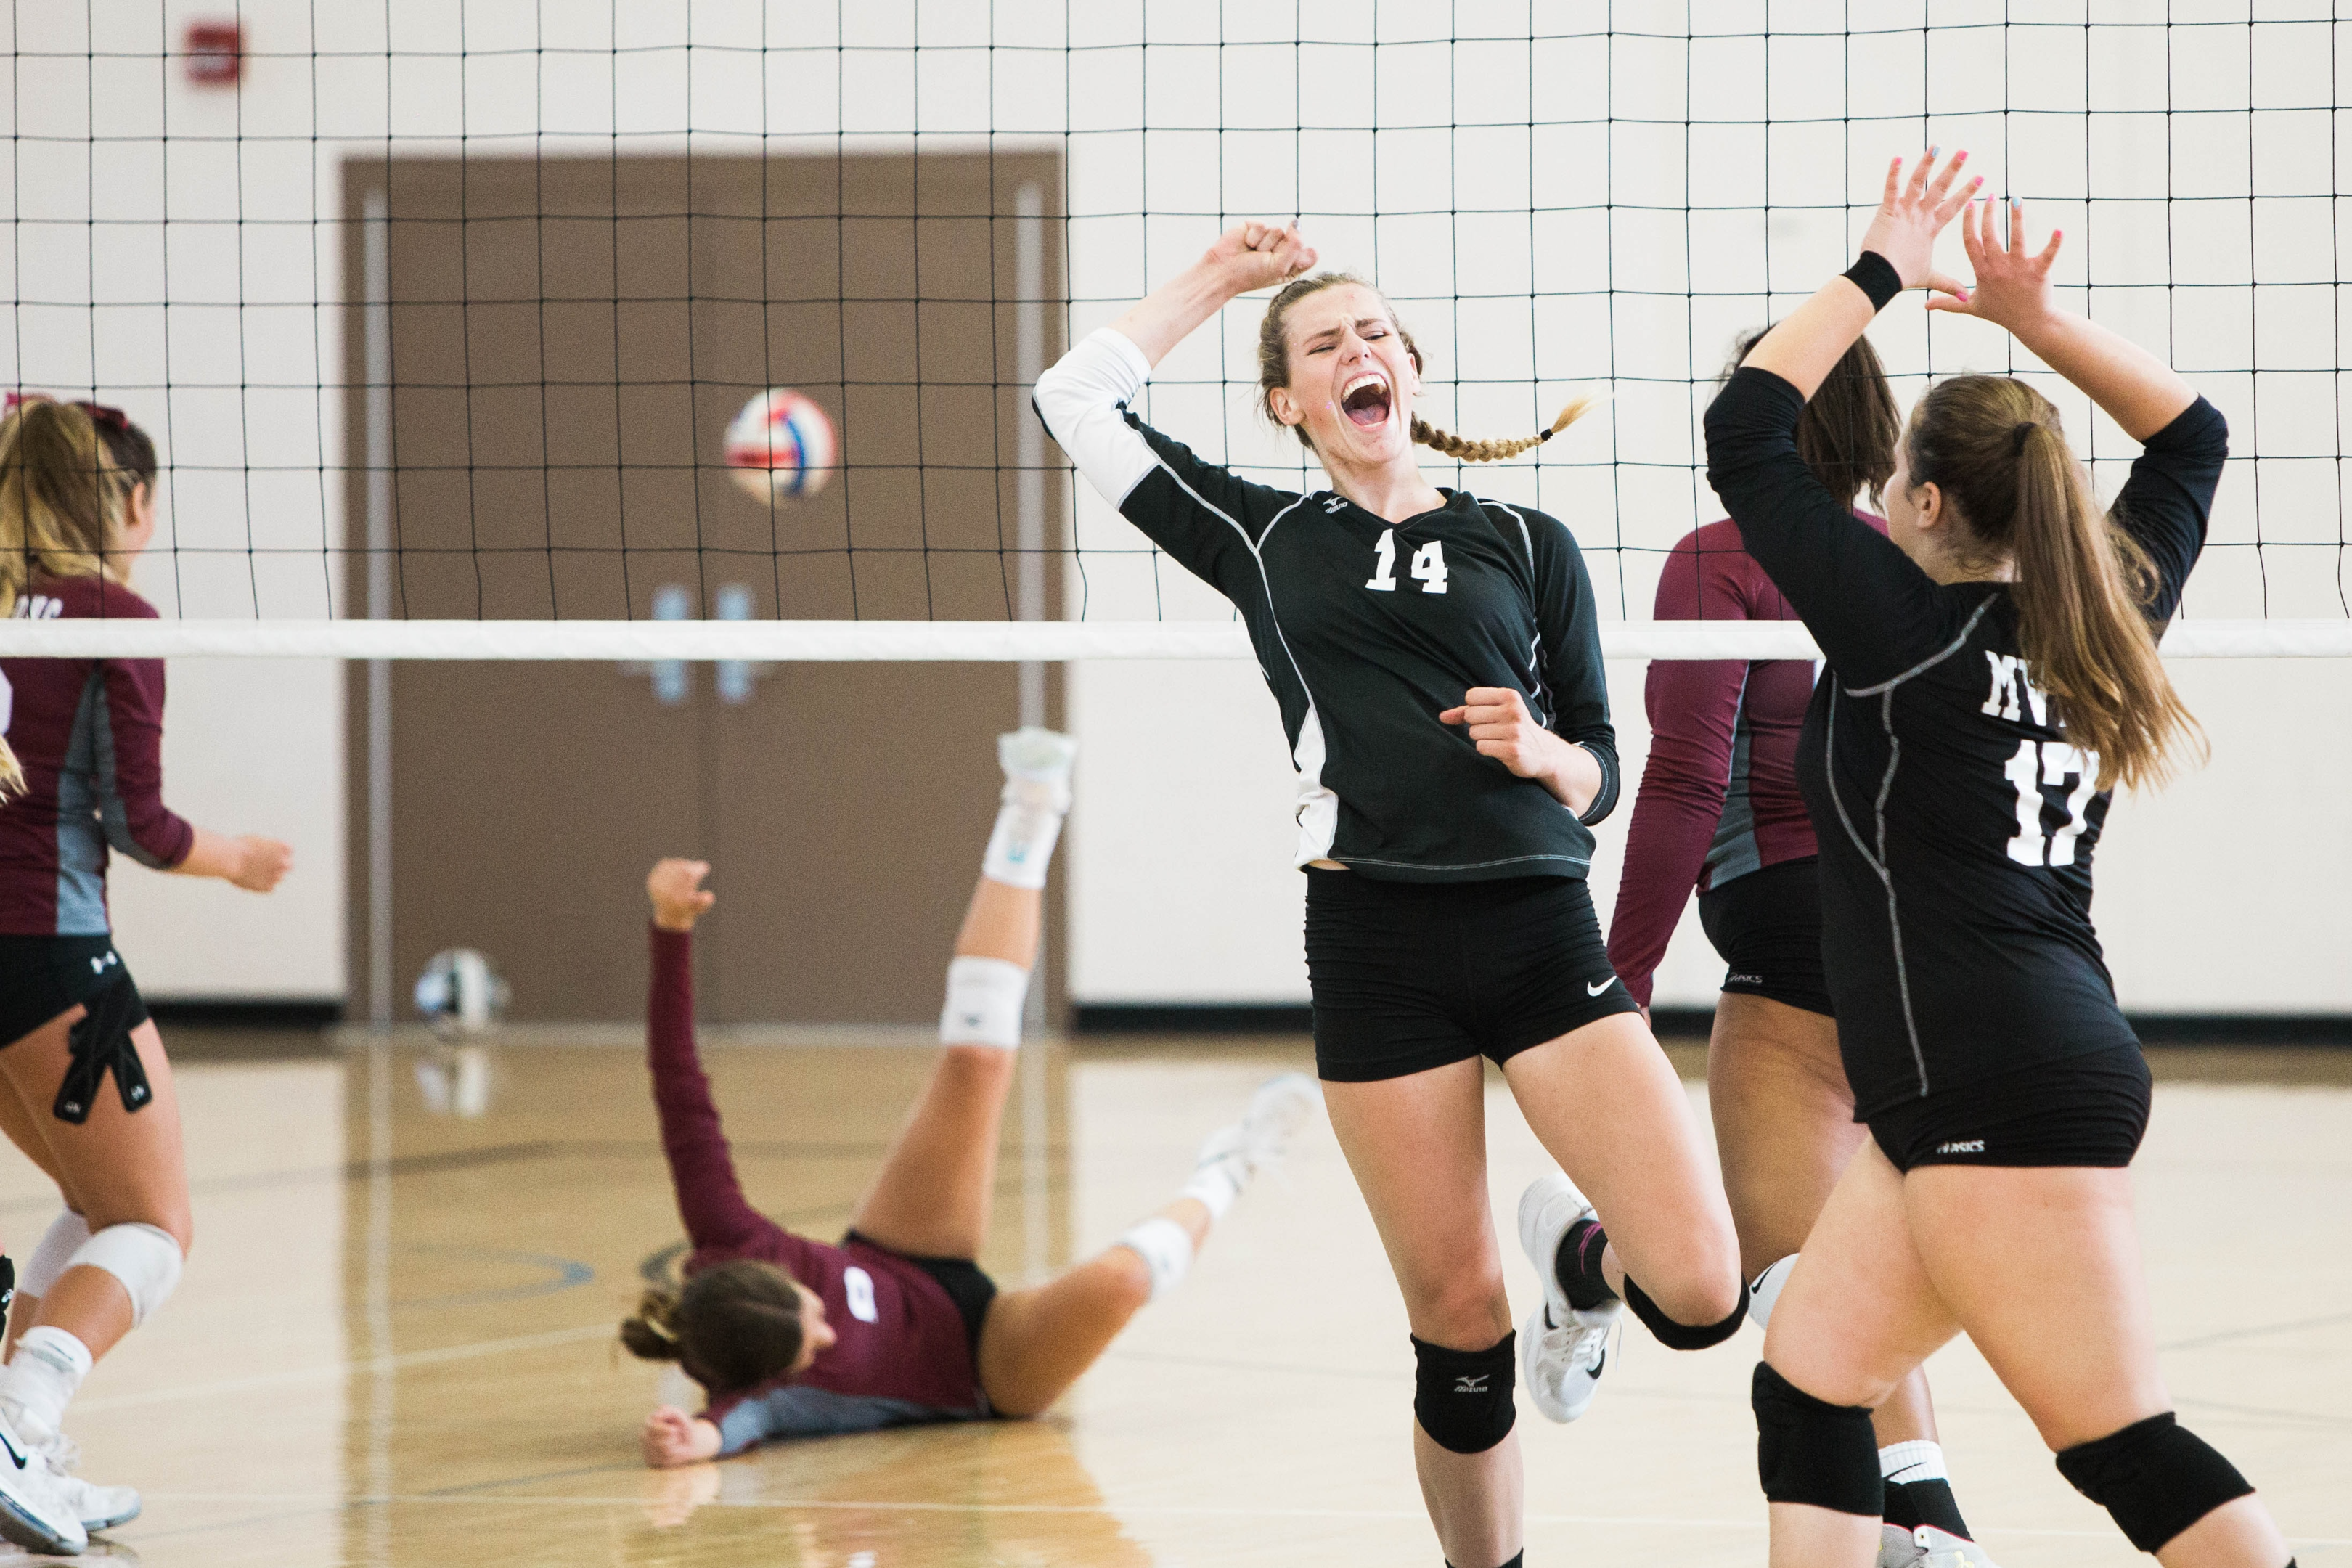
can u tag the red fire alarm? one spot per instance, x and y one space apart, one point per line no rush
216 52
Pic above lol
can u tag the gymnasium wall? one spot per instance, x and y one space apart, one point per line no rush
2216 896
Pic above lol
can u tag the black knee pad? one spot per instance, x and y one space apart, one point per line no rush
1682 1336
2155 1477
1809 1451
1462 1398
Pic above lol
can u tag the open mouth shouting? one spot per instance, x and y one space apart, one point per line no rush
1367 400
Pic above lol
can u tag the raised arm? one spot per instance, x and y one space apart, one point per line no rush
1251 256
2139 391
709 1196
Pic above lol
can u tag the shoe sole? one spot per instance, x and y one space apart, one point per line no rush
95 1525
22 1526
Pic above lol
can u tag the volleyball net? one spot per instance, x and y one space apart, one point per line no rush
445 320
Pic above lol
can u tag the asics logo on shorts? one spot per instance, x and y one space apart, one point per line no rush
1467 1384
1969 1146
1590 990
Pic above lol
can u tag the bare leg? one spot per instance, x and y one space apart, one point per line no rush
2042 1267
1036 1342
938 1183
1607 1105
1857 1316
17 1122
125 1167
1784 1128
1418 1148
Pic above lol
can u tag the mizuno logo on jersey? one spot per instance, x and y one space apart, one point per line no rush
1335 504
1971 1146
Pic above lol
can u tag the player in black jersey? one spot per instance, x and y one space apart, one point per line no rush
1437 664
1991 674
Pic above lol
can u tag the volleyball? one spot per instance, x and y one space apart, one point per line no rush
781 446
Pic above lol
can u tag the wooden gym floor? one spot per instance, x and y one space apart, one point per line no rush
393 1343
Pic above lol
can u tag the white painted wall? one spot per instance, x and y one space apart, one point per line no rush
1533 243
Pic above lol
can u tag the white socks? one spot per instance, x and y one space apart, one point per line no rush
1166 1249
1764 1291
41 1378
1036 797
1916 1460
1222 1172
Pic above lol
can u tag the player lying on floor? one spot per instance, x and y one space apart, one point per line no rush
896 1324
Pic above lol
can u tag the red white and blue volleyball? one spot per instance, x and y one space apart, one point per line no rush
780 447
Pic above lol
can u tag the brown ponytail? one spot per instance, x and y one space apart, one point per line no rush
733 1326
2083 585
62 498
1273 370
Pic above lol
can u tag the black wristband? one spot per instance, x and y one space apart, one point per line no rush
1875 276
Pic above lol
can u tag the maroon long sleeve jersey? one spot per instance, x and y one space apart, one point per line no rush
89 734
901 1356
1719 796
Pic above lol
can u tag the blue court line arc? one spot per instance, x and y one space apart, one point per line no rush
564 1274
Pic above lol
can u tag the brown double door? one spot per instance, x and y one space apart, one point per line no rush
566 340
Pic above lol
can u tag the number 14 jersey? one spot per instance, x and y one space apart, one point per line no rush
1366 631
1955 820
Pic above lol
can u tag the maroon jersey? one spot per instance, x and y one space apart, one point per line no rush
901 1355
1719 796
89 734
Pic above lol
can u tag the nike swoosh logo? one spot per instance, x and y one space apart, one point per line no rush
9 1444
1597 990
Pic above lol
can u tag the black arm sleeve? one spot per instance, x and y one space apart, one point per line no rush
2165 503
1568 656
1873 612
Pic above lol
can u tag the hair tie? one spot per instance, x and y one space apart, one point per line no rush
2017 436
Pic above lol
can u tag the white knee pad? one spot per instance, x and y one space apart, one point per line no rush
985 996
54 1255
144 1256
1765 1290
1166 1249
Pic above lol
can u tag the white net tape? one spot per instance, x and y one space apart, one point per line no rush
784 641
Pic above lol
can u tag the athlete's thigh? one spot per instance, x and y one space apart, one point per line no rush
1034 1342
121 1165
1607 1106
1418 1147
2042 1267
1783 1119
20 1121
1859 1310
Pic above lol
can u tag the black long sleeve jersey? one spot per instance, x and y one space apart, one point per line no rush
1366 631
1956 821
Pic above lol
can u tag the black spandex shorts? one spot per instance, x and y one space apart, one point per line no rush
2084 1110
1408 976
1767 927
960 1278
42 976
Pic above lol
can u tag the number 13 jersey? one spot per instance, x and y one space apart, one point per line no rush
1366 631
1956 821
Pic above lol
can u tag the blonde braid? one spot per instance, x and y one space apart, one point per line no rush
12 772
1454 447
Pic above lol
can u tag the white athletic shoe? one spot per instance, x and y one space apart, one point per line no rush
98 1507
34 1512
1036 764
1255 1145
1928 1547
1562 1349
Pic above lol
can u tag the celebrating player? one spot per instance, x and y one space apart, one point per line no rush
897 1324
1991 674
77 506
1719 808
1437 663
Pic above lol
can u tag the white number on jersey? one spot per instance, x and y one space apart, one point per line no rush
1384 574
858 1286
1429 568
2038 762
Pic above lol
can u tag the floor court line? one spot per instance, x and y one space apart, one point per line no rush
1143 1511
345 1368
